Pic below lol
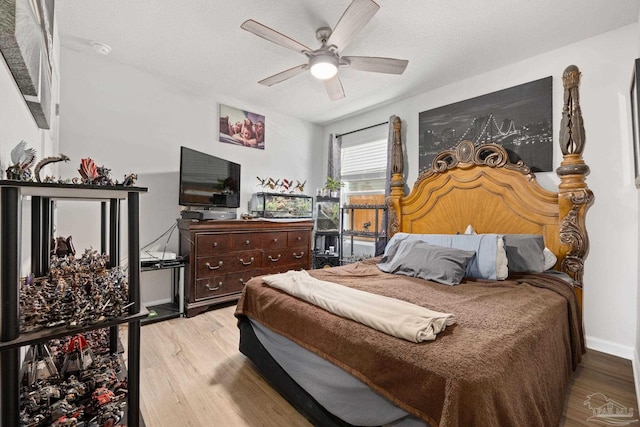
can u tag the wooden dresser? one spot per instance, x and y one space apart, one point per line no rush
221 256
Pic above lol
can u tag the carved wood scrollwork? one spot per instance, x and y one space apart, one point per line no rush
572 135
393 225
492 155
574 234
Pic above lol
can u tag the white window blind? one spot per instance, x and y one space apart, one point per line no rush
364 159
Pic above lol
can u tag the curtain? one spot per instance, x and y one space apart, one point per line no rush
335 143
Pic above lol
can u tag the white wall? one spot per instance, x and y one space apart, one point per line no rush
606 62
131 121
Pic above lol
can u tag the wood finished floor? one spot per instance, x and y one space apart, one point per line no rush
192 375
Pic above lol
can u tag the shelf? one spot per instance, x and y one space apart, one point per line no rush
72 191
327 232
62 331
164 311
364 207
372 234
327 199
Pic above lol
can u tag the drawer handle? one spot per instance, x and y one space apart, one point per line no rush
215 244
276 259
298 238
275 240
243 282
247 242
211 267
247 262
214 289
298 256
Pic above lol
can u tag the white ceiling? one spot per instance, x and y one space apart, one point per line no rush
199 43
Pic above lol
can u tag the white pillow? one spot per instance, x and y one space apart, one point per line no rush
550 259
502 269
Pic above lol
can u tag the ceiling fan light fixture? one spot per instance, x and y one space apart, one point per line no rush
323 67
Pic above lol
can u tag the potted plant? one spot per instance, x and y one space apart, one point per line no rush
333 185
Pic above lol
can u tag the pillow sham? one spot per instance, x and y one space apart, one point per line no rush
502 267
482 266
525 252
416 258
550 259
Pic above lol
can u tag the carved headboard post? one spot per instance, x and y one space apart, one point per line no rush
574 197
397 180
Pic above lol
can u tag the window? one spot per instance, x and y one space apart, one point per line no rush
363 170
363 166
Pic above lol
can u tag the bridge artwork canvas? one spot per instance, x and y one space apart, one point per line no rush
518 118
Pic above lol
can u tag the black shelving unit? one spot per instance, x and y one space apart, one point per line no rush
12 194
174 308
326 232
373 231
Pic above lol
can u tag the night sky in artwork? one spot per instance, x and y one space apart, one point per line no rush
527 106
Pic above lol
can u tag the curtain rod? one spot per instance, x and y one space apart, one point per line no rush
358 130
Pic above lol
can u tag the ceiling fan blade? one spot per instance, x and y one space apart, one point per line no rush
352 21
286 74
377 65
272 35
334 88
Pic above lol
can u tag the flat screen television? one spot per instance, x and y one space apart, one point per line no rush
207 181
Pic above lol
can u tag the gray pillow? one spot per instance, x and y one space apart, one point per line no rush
525 252
429 262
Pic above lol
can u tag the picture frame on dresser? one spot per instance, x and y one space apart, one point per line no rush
634 95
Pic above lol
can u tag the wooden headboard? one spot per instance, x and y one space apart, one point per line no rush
478 185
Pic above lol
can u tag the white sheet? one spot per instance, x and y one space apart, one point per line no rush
389 315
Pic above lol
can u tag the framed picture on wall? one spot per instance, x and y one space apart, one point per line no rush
241 127
635 120
26 43
518 118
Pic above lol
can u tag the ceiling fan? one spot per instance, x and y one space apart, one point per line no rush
323 63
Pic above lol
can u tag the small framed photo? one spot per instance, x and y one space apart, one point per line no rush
635 120
241 127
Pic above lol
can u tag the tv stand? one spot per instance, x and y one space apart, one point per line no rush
206 214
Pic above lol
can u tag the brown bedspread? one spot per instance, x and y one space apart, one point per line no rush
506 362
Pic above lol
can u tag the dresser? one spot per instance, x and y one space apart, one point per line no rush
221 256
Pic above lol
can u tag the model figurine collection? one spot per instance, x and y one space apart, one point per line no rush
73 381
23 159
76 292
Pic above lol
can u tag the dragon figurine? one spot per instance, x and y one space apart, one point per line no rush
47 160
23 158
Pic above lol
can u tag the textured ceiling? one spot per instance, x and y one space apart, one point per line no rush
199 43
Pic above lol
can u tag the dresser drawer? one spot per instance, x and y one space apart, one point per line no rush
221 264
285 256
246 241
283 268
218 286
210 244
274 240
297 238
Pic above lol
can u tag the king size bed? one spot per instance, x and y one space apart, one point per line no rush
504 326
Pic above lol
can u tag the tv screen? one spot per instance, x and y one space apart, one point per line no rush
208 181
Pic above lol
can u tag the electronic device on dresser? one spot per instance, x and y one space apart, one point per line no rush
209 186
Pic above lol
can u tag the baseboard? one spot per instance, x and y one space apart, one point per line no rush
610 348
635 363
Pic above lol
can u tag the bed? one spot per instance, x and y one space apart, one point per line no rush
508 356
